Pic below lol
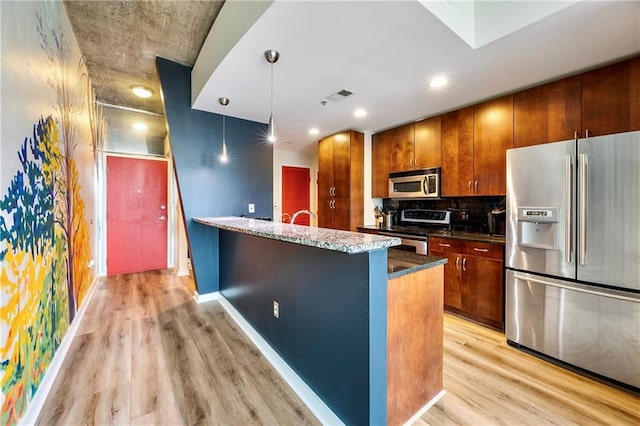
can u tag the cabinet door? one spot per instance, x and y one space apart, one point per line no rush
342 214
402 148
548 113
380 164
482 290
342 164
492 136
611 99
325 212
325 167
457 152
428 137
452 279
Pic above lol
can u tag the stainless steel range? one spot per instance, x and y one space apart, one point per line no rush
415 227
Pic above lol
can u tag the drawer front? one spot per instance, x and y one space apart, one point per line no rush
446 245
481 249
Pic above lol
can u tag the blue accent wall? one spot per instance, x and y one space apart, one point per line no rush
332 324
208 187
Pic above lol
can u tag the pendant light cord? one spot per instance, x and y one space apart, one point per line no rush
271 88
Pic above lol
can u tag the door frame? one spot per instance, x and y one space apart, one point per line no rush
102 206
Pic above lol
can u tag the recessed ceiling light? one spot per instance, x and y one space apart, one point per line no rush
141 127
360 113
141 91
314 131
439 81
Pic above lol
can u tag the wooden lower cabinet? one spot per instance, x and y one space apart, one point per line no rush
335 213
473 279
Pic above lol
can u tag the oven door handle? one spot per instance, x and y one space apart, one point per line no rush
420 244
403 236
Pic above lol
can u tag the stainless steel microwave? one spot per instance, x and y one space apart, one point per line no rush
422 183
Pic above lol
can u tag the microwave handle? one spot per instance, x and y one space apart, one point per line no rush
424 185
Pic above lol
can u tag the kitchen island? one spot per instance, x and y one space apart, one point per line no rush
362 337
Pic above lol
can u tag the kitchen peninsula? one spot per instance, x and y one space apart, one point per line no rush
359 323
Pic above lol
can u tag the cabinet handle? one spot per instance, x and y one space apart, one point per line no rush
417 161
457 262
476 186
587 133
469 186
464 264
481 250
333 204
576 135
444 245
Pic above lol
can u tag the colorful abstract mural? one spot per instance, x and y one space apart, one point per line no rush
45 237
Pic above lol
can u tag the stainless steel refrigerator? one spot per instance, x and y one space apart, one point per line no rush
573 253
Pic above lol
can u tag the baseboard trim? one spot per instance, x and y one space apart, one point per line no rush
306 394
207 297
425 408
37 402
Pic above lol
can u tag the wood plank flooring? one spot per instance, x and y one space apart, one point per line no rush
490 383
147 354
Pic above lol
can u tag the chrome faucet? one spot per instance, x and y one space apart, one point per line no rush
295 215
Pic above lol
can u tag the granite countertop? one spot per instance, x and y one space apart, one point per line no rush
330 239
460 235
401 262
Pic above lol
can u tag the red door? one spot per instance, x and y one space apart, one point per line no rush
136 215
295 193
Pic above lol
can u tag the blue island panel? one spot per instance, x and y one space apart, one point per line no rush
332 324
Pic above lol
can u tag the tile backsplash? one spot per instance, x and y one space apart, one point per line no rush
468 213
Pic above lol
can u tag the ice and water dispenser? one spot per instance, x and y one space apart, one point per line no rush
538 228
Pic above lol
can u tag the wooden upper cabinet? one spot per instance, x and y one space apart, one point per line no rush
325 167
457 152
492 136
548 113
402 153
342 164
341 181
611 99
428 137
381 146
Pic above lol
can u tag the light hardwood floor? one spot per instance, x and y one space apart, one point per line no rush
147 354
489 382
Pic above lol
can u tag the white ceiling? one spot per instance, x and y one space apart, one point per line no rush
386 51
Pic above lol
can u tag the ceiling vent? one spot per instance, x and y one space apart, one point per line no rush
340 96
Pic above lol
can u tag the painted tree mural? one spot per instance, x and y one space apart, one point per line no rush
45 240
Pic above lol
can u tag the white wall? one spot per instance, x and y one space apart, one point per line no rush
369 203
283 157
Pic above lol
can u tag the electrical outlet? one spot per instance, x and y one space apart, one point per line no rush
276 309
252 208
91 263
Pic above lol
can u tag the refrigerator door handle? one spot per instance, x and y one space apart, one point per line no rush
583 164
568 202
575 288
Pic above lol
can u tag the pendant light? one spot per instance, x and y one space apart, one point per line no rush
223 156
272 57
